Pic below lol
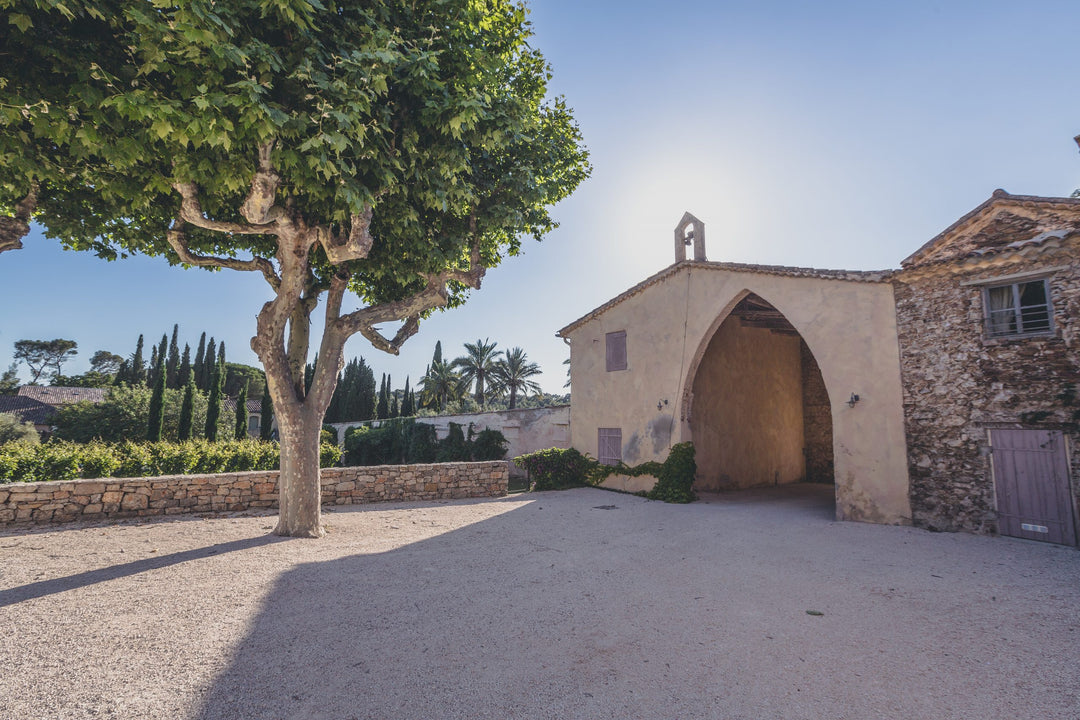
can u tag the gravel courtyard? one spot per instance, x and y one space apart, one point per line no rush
580 604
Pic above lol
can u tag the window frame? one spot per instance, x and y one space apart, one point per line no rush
613 339
609 434
1017 309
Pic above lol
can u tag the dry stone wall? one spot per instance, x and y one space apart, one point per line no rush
51 502
958 385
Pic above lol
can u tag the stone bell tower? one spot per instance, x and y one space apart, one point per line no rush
690 230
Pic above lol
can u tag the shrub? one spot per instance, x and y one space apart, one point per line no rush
453 447
328 435
22 462
423 445
676 476
14 430
557 469
489 445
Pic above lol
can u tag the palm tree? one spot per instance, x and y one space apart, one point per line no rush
477 365
440 385
513 373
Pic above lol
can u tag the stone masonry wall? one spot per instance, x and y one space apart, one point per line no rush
957 384
51 502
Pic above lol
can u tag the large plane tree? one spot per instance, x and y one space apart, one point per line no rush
372 157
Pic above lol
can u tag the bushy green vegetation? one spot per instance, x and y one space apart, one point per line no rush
405 441
14 430
125 415
557 469
23 462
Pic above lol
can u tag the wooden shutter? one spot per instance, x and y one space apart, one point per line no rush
616 350
609 445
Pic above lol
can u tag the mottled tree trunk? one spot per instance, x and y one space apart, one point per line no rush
299 490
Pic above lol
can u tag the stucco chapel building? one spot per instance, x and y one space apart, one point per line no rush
943 394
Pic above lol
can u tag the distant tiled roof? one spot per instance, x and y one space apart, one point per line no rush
62 395
254 405
848 275
27 409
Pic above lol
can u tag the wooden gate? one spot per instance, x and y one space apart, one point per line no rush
1031 476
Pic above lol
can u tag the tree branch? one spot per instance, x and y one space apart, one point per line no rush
356 245
435 294
15 227
178 243
191 212
258 207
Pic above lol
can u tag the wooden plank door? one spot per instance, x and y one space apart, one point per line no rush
1031 477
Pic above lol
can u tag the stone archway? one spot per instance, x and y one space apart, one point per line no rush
761 414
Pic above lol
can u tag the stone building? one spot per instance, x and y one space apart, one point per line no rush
941 394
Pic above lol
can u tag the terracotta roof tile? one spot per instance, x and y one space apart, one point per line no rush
62 395
27 409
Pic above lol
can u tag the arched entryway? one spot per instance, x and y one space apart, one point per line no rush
761 414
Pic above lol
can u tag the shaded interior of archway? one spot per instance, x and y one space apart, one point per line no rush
761 414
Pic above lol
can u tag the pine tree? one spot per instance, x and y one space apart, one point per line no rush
184 371
157 403
138 371
200 358
187 410
382 410
172 365
203 379
240 429
266 417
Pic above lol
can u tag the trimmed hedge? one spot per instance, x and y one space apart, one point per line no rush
21 462
556 469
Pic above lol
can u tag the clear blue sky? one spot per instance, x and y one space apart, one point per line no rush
829 134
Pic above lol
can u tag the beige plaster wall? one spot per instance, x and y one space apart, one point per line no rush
748 411
849 326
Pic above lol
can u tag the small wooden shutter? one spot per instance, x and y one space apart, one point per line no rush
609 445
616 350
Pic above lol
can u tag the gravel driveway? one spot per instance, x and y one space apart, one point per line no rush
580 604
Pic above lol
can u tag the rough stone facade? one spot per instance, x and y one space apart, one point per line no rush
52 502
958 384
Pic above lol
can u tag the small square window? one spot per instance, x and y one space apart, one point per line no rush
609 446
616 350
1016 309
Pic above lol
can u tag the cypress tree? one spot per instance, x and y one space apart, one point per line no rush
240 429
366 393
213 410
437 357
203 379
138 372
152 367
394 410
407 409
309 373
266 417
123 373
187 410
382 410
172 365
221 359
163 354
157 403
200 355
184 371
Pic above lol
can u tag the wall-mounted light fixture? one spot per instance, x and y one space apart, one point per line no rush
854 399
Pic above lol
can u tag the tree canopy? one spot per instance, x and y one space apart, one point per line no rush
391 148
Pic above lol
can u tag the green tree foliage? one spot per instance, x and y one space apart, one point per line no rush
197 364
172 364
137 371
454 447
14 430
354 397
241 423
238 375
407 408
105 362
213 408
9 380
441 385
266 418
43 356
514 371
124 415
183 373
157 401
477 367
382 409
202 380
382 147
187 411
89 379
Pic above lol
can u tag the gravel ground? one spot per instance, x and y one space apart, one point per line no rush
580 604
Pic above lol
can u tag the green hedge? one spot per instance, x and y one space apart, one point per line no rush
405 441
21 462
556 469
